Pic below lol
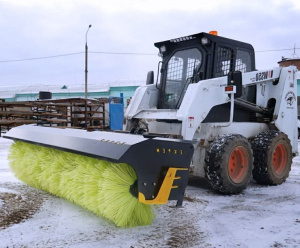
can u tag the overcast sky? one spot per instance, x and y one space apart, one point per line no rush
40 28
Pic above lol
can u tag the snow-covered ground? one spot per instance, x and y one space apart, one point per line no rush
259 217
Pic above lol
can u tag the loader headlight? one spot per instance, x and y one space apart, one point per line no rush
162 49
204 41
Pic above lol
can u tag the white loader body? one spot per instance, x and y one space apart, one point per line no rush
279 84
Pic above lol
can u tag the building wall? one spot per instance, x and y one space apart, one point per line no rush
298 89
113 91
288 62
127 91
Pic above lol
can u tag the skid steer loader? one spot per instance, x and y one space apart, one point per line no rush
212 114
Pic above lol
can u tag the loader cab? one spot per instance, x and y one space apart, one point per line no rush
189 59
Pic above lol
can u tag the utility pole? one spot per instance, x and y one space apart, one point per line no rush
86 63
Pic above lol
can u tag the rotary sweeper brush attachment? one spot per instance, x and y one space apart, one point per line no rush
115 175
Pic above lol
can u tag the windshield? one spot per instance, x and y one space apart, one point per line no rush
180 70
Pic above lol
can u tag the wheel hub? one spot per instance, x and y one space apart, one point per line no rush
279 159
238 164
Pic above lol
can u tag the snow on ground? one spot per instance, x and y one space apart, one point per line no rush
261 216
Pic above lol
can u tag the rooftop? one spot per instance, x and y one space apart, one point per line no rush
9 91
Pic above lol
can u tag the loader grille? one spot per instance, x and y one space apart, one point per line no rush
175 68
227 60
243 61
181 66
240 66
192 64
224 60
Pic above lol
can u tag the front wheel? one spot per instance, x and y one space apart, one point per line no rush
229 163
272 157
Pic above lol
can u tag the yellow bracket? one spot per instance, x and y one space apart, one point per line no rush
165 189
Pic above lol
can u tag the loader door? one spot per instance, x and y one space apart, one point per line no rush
180 71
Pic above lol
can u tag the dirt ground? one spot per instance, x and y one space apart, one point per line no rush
19 203
200 223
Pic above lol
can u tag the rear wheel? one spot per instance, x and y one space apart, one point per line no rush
272 157
229 163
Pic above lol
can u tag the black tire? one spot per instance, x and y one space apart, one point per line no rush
229 163
272 157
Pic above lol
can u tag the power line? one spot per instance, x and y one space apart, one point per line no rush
151 54
278 50
46 57
119 53
70 54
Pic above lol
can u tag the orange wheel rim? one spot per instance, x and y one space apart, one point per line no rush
238 164
279 159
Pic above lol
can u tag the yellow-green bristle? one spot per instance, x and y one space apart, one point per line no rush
99 186
118 203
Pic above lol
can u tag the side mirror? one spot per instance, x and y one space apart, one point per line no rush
235 78
150 78
198 76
